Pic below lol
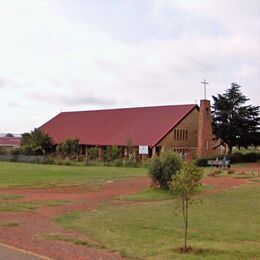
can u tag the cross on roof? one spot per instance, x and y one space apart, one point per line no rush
205 87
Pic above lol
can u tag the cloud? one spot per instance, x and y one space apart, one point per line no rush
16 105
67 61
87 100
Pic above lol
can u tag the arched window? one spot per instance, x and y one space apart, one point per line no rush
178 134
174 133
186 134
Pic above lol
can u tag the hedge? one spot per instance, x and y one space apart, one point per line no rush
236 157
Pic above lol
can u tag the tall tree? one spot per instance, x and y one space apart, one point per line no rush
36 142
235 123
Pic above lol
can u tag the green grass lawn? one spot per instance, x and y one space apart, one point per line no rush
152 194
225 226
40 176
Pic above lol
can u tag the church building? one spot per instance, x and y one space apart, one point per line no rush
185 129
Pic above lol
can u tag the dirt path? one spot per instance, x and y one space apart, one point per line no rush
33 225
222 183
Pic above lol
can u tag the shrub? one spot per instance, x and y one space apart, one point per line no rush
118 162
2 150
203 162
93 153
162 169
16 151
236 157
69 148
251 157
130 162
48 160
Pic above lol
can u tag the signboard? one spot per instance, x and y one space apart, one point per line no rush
143 149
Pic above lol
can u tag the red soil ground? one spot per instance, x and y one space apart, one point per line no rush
33 225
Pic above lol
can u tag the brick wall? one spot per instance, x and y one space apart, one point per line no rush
189 144
205 130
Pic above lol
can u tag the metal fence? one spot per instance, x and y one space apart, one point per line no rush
22 158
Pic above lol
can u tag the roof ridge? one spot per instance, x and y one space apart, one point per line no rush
126 108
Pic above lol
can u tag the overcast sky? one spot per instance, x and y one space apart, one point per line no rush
91 54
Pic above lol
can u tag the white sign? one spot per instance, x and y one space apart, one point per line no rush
143 149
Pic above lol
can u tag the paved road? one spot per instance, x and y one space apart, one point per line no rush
11 253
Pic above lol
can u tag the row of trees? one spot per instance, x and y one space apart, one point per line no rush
39 143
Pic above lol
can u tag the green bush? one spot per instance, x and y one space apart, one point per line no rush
236 157
117 162
16 151
203 162
93 153
130 163
163 168
2 150
251 157
48 160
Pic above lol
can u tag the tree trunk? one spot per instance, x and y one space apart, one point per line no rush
230 148
186 225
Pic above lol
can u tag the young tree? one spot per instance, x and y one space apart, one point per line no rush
185 183
93 153
130 149
163 168
111 153
36 142
115 152
234 123
69 148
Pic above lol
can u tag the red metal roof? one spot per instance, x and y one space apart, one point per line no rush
10 141
141 125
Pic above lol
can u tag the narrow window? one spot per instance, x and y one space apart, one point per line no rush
207 145
178 134
207 111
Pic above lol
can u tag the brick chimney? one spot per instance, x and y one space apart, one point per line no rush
205 130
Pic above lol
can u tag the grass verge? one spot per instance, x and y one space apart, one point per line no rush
41 176
152 194
225 226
